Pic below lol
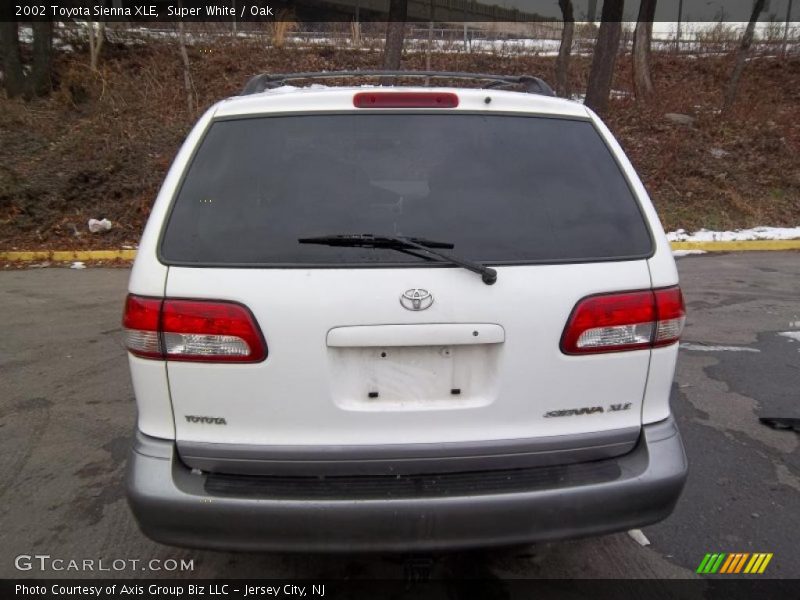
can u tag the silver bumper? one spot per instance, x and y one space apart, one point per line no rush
174 506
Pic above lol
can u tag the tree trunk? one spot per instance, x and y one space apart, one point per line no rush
39 82
357 25
187 75
786 29
741 56
429 47
97 35
395 33
13 78
591 15
605 56
565 49
642 37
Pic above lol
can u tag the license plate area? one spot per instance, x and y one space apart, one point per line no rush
400 378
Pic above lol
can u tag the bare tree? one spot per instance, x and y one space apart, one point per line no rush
283 24
565 49
39 81
187 75
605 56
97 35
395 34
429 47
642 37
786 29
591 14
356 25
13 77
741 56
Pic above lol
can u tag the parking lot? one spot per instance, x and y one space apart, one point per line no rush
67 413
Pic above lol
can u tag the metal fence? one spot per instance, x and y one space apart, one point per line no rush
529 38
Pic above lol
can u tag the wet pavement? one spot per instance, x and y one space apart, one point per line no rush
67 412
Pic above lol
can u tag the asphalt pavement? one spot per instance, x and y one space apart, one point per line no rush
67 412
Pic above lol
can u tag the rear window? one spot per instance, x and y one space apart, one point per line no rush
502 189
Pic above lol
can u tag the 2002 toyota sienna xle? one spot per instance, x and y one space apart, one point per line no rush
401 318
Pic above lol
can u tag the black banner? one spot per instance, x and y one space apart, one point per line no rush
743 587
686 11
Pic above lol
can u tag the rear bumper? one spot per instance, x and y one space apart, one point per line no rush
173 506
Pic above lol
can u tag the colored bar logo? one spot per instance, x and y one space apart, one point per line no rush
734 563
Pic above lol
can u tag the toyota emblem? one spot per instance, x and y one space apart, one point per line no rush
416 299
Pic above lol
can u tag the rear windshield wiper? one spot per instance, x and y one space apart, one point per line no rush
367 240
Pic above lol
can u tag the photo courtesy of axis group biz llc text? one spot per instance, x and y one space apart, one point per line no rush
168 590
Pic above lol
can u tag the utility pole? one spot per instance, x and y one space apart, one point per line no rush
678 32
786 29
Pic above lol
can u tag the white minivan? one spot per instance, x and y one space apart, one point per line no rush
401 318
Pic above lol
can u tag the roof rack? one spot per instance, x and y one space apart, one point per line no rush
528 83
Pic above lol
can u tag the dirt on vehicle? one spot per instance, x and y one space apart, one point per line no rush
100 145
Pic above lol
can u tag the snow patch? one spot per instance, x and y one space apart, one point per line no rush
679 253
640 537
287 89
756 233
792 335
704 348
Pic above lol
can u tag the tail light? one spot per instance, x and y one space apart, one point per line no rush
671 316
140 321
625 321
192 330
405 100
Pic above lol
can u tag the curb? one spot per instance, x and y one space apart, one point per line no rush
66 255
738 246
129 255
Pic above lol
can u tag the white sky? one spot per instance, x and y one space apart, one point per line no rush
666 10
